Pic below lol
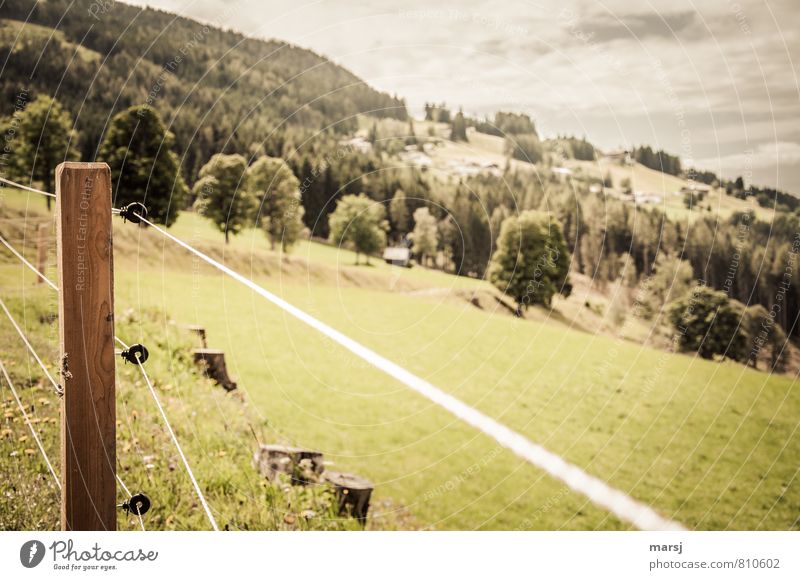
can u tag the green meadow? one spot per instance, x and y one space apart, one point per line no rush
711 445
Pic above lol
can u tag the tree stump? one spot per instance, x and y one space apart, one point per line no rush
213 363
200 332
302 466
352 492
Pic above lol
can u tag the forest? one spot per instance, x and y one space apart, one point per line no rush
217 90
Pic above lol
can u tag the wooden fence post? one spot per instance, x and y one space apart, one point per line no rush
86 316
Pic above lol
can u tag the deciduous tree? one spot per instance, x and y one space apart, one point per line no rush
425 235
45 139
281 215
359 224
707 322
223 194
531 263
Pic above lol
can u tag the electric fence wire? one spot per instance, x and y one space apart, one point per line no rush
25 187
27 263
58 389
175 441
30 425
130 496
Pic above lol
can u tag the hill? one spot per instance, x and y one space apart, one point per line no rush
217 89
484 151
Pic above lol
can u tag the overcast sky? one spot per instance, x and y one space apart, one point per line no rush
713 81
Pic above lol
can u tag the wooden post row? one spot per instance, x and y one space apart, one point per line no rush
86 315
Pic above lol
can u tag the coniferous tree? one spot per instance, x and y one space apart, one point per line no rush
331 191
312 196
373 134
411 138
458 128
425 235
469 241
398 211
318 191
138 148
525 147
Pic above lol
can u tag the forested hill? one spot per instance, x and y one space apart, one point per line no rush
217 89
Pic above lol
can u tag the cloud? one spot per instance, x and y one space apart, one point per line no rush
607 28
765 155
771 164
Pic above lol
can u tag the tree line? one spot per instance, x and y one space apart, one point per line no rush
607 238
658 160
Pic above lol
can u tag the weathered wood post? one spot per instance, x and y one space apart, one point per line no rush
213 363
41 250
86 315
353 493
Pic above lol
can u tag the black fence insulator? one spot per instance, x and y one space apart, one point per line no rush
136 354
138 504
133 212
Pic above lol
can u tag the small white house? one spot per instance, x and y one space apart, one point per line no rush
397 256
563 173
694 187
416 158
358 143
621 156
642 197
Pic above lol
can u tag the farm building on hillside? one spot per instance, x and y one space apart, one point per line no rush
466 168
397 256
646 197
358 143
694 187
621 156
416 158
563 173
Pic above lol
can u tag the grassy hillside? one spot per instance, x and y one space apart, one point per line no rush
484 149
216 431
712 445
644 179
